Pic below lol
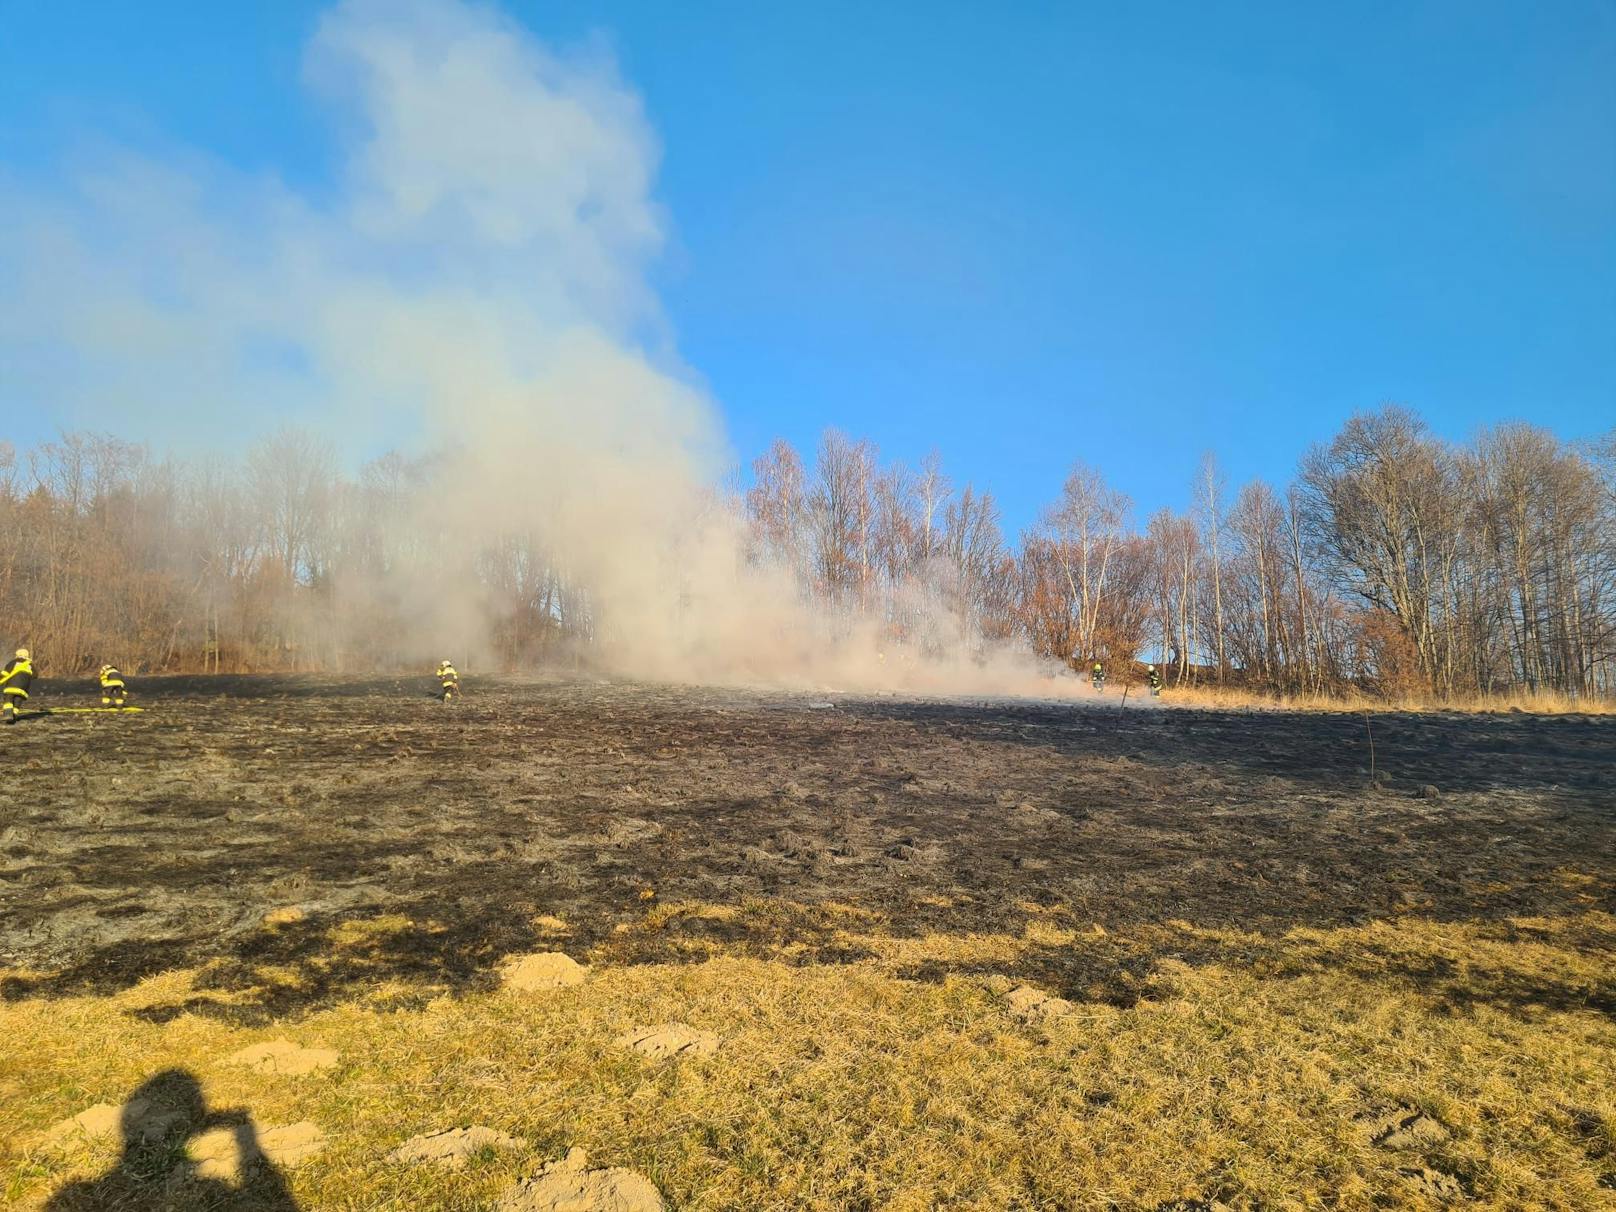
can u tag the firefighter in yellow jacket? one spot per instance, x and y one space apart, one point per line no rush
15 679
448 680
112 688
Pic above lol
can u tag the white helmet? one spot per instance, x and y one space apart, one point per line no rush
22 654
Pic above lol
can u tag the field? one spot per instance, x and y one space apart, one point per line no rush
953 954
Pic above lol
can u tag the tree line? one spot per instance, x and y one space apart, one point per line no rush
1395 562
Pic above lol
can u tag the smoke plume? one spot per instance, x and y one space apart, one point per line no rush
471 281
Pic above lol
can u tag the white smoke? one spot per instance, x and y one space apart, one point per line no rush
491 218
475 278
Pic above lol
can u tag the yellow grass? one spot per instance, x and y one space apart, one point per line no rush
1540 703
1260 1078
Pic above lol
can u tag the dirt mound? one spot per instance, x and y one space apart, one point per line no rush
228 1153
92 1123
1436 1185
546 970
283 1056
669 1039
1034 1005
570 1186
104 1120
452 1146
1408 1129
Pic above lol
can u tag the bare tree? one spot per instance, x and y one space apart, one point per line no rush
777 507
932 491
1085 527
1383 503
293 474
1209 501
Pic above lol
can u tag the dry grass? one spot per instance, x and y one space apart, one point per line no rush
1539 703
1259 1077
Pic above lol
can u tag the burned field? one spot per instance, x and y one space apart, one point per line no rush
141 843
239 827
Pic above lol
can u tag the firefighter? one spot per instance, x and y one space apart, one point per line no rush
1154 675
112 688
448 679
1097 676
15 679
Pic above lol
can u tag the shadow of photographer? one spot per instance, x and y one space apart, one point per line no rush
223 1168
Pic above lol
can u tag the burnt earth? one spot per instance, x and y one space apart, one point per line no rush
134 844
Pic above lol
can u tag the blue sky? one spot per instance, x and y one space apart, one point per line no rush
1022 234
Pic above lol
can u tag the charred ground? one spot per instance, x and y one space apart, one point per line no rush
137 844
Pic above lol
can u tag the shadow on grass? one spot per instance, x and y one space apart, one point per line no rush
452 934
153 1170
288 970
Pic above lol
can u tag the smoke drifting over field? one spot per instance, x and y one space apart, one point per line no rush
474 283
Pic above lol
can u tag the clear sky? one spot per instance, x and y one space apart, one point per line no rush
1020 233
